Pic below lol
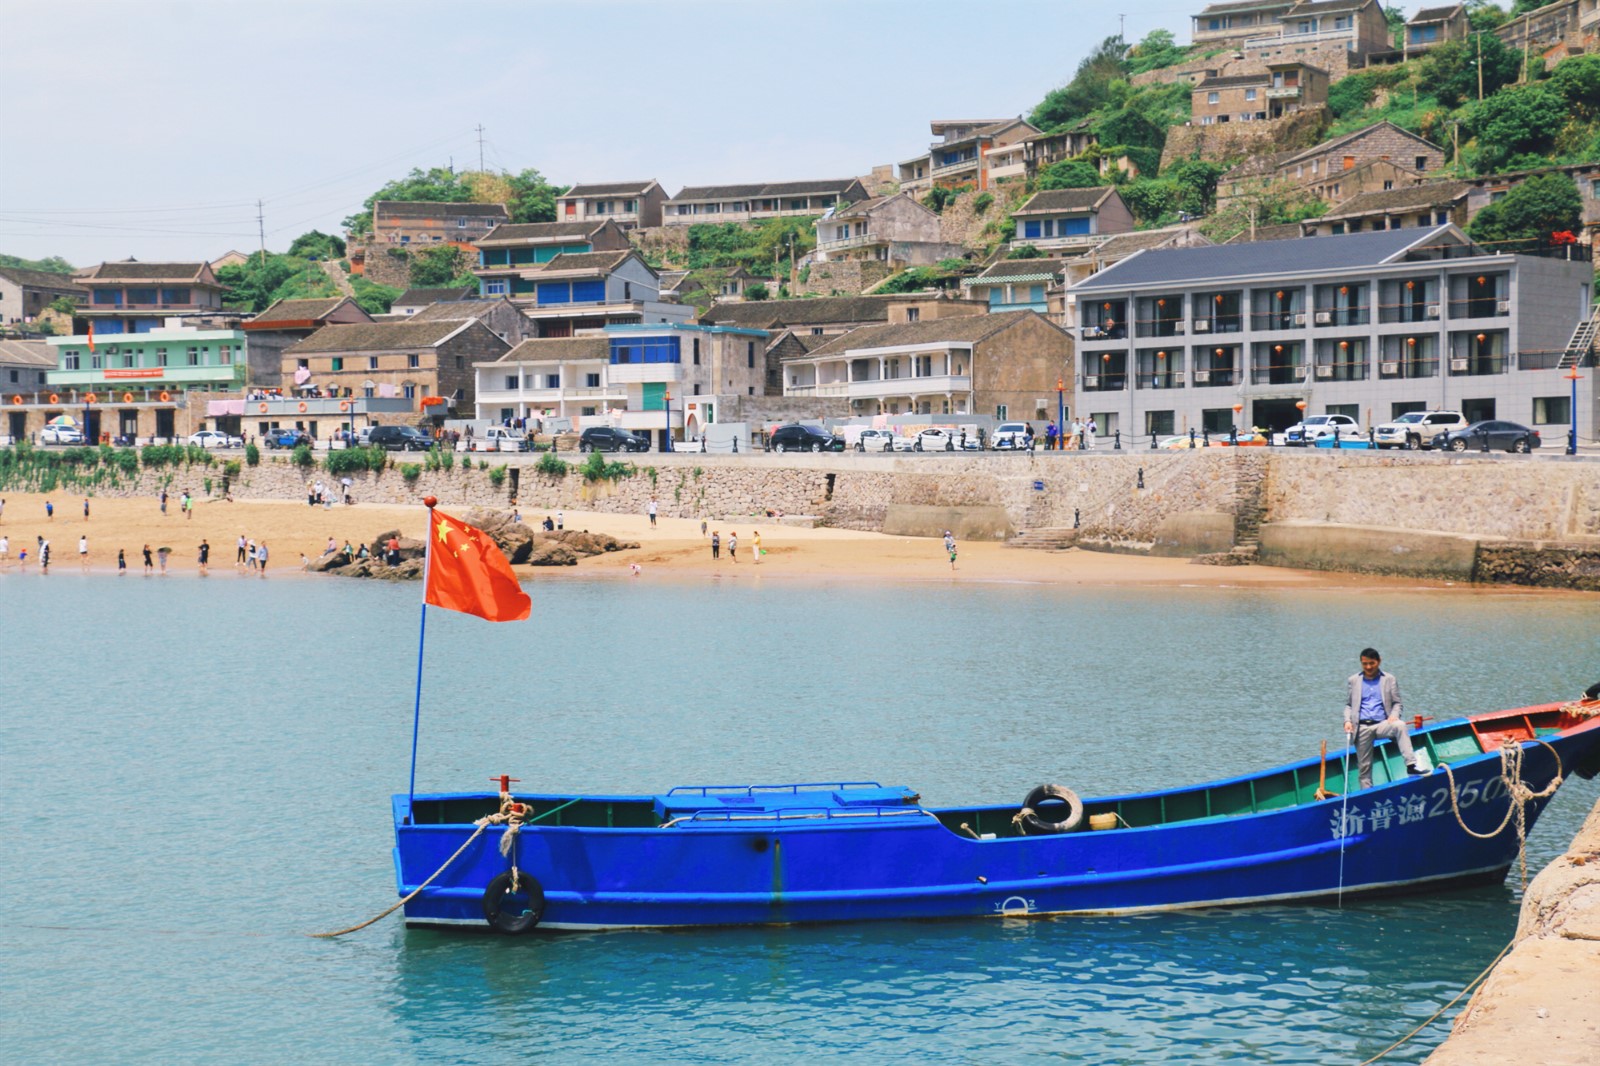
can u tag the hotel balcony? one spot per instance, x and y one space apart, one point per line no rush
1283 92
948 170
640 373
860 240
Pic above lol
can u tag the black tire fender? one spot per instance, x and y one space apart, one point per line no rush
502 920
1033 823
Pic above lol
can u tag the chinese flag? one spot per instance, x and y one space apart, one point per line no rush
467 572
91 336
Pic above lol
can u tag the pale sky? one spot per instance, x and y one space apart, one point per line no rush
149 128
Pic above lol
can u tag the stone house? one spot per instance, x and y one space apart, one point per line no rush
286 323
1006 365
1434 203
1232 23
25 294
747 203
416 361
961 155
590 290
891 229
1432 26
1270 94
630 204
1374 158
413 300
135 297
1358 27
24 370
1071 220
504 319
507 250
420 222
1482 191
1555 30
1378 175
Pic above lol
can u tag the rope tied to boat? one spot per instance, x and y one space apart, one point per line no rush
504 816
1511 756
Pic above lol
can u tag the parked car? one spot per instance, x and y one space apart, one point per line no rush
285 437
935 440
60 435
875 440
211 438
1511 436
1314 427
399 439
798 438
364 435
1010 435
499 439
611 439
1416 429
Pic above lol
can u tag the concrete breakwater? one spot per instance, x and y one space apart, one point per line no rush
1492 519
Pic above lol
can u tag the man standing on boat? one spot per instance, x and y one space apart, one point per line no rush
1372 710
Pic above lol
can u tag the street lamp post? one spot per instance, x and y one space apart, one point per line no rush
1061 413
1572 415
666 441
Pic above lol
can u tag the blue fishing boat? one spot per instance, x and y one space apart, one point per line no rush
849 851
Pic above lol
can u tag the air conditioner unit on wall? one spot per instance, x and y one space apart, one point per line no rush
1458 366
1433 310
1324 371
1389 369
1202 377
1502 307
1202 325
1091 381
1300 318
1324 318
1177 327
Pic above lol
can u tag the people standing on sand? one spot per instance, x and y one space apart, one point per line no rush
161 557
716 545
49 511
2 507
561 520
305 564
205 556
163 501
147 561
733 546
186 505
702 527
86 508
122 562
651 511
22 559
755 540
83 552
261 558
44 556
239 555
5 548
950 547
392 550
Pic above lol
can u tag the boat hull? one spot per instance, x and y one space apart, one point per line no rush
883 864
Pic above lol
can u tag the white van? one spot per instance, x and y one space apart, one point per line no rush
499 439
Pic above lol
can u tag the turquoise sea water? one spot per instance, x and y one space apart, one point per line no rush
196 773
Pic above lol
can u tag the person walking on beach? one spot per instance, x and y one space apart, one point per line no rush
122 563
250 555
651 511
239 557
561 520
716 545
261 558
188 504
205 556
161 557
163 501
950 547
733 546
1372 710
702 527
44 556
83 552
147 561
86 508
49 511
5 548
755 539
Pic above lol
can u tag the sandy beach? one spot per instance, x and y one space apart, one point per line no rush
674 547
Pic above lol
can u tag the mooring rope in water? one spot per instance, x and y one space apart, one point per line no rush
1511 755
1435 1015
511 813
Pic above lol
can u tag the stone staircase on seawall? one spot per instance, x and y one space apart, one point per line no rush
1049 540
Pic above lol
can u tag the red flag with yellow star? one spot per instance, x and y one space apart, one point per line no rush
467 572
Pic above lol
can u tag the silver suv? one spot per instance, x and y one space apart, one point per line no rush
1416 429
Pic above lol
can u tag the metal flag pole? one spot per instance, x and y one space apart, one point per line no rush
422 642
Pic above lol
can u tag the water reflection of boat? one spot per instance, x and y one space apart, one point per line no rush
753 855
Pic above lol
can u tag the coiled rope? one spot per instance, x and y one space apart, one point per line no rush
1511 755
511 813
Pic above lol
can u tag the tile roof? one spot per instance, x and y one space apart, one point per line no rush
1246 5
422 297
816 311
961 329
41 279
1433 14
298 310
1065 200
1009 269
1337 142
565 349
436 209
592 261
785 188
132 270
1232 81
1176 266
1323 7
540 231
1121 245
1429 194
27 353
615 188
456 310
376 336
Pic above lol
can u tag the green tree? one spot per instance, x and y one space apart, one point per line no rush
317 245
533 198
250 286
434 185
1533 210
938 199
1196 180
1516 120
1088 88
53 264
1152 200
1396 19
1157 50
1130 126
1522 7
1450 70
756 291
435 267
1069 174
1578 81
1485 15
65 305
1025 251
373 298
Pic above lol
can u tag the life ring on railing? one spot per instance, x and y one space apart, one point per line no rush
90 397
127 397
344 405
55 398
262 408
166 397
1062 810
302 407
495 898
17 399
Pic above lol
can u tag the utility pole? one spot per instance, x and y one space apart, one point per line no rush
480 147
1480 66
261 231
1122 28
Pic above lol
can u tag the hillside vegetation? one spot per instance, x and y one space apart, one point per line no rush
50 265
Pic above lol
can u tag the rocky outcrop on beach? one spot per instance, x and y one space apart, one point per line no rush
520 544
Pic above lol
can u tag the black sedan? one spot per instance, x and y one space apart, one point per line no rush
800 438
1502 436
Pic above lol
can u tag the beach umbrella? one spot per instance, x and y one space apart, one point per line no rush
62 420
